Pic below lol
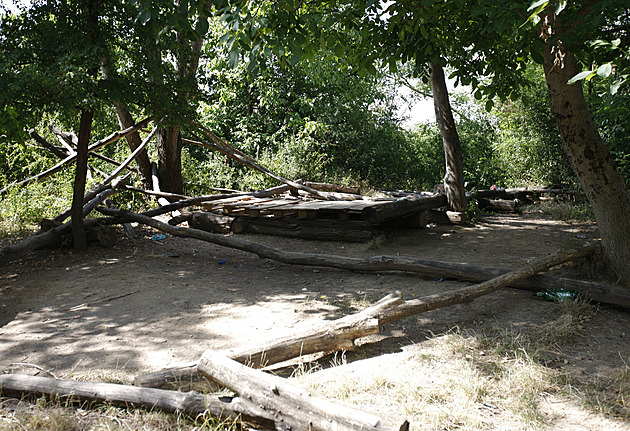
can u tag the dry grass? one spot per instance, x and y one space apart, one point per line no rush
491 378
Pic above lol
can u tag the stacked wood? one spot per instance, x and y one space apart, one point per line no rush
400 208
499 205
192 403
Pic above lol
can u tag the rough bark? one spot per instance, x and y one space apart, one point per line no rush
328 337
340 334
78 227
454 178
170 159
590 158
192 403
134 140
292 407
597 292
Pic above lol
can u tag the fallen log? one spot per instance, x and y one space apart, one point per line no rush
59 166
292 407
249 162
192 403
499 205
332 188
43 239
326 337
386 311
604 294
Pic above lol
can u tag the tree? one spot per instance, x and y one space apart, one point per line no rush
475 36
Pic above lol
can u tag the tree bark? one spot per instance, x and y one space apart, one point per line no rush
169 143
78 227
290 406
454 178
590 158
192 403
134 140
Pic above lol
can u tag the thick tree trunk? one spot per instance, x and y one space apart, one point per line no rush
454 178
590 159
78 228
170 159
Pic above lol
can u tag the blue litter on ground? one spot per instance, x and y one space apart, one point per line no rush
158 237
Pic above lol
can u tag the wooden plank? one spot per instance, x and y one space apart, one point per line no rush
401 208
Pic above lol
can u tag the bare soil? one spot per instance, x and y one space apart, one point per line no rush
146 304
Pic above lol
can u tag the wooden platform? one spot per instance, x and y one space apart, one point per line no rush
369 211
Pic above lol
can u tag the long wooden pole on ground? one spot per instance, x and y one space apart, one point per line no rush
602 293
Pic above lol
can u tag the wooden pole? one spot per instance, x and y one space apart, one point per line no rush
191 403
292 407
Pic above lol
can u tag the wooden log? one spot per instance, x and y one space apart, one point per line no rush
291 406
129 230
59 166
191 403
610 295
33 242
324 229
326 337
400 208
211 222
390 309
332 188
249 162
60 152
499 205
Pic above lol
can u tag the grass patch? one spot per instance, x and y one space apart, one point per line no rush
559 210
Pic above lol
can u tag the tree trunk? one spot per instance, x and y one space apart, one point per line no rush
134 140
169 142
590 159
454 178
78 228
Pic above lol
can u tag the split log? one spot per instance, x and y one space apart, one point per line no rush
192 403
601 293
33 242
59 166
292 407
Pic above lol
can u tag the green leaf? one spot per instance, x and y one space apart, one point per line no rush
489 105
424 32
234 57
202 26
587 74
538 57
604 70
145 16
616 42
537 4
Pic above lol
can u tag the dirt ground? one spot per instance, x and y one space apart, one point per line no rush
145 304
